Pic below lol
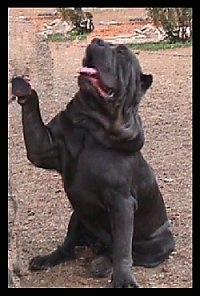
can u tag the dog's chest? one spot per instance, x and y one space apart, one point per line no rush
97 171
98 166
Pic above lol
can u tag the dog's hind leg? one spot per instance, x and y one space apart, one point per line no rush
62 253
155 249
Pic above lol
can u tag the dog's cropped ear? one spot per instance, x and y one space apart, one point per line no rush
146 81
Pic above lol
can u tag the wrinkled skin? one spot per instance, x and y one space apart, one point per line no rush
95 145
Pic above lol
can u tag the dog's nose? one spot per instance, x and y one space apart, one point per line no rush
98 41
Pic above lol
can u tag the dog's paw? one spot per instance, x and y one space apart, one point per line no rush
39 263
56 257
21 86
101 266
124 279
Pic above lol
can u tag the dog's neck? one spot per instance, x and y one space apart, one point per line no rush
112 130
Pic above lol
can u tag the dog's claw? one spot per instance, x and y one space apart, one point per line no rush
124 280
39 263
126 285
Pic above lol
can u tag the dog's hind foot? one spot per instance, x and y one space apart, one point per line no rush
56 257
101 266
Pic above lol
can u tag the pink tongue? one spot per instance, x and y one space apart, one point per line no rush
89 71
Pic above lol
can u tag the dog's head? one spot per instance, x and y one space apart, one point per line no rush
112 73
111 85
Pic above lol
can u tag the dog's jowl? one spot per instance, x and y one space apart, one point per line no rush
95 144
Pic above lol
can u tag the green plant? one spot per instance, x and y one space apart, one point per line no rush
176 22
154 46
74 35
56 37
59 37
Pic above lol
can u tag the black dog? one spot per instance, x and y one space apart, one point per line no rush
95 145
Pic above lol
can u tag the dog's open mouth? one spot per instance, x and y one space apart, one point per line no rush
93 76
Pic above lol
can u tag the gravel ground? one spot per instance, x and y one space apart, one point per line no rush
43 209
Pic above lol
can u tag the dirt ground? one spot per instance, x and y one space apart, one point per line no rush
43 208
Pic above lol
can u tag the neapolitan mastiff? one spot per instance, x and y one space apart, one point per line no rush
95 144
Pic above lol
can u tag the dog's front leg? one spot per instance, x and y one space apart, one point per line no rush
41 144
122 218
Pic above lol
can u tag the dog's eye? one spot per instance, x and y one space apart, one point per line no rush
121 48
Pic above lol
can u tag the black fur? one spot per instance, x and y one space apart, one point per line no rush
95 145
